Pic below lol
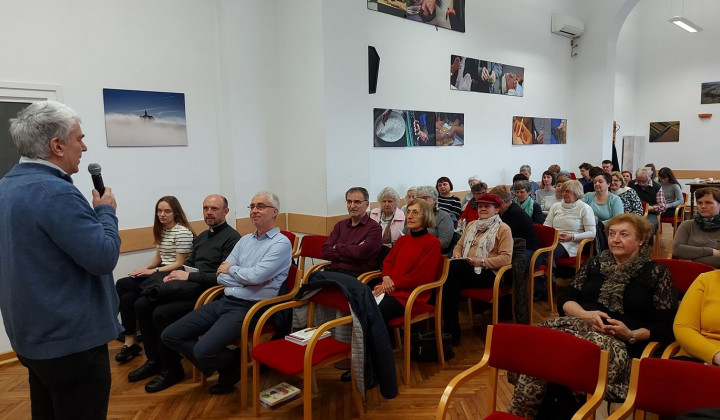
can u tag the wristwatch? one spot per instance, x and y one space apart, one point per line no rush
633 337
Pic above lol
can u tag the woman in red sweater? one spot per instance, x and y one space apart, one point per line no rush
412 262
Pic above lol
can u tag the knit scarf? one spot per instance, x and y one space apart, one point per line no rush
620 191
708 224
616 277
488 229
527 205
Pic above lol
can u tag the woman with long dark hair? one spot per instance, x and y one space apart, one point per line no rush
173 238
671 190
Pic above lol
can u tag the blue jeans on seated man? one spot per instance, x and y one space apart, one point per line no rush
202 336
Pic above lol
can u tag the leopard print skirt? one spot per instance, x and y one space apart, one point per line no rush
530 391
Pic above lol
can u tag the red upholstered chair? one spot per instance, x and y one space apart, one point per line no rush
572 175
683 274
292 285
493 295
416 312
669 388
293 359
548 241
585 251
646 208
311 247
544 353
676 219
294 241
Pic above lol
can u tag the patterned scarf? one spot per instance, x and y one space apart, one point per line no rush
708 224
486 242
617 277
527 205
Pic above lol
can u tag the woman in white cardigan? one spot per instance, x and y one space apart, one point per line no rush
574 219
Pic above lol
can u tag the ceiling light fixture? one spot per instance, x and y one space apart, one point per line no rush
685 24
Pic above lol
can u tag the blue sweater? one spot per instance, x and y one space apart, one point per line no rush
57 254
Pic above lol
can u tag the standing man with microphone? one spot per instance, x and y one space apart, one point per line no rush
57 254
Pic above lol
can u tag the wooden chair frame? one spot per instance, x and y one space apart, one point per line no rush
409 319
308 375
586 411
628 407
678 218
303 255
243 343
547 272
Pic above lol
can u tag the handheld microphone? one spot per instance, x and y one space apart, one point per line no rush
94 170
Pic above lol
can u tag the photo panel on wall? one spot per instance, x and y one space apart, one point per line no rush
403 128
474 75
535 130
448 14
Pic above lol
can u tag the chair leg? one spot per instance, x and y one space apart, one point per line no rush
551 301
256 388
356 395
244 378
308 381
438 339
406 376
470 312
530 294
315 388
398 339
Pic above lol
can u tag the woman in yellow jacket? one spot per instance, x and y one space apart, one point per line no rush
697 323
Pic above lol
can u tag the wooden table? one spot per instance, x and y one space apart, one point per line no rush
695 186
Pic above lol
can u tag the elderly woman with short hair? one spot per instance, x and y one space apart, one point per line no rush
523 191
619 301
389 216
574 219
444 229
469 196
470 213
630 200
409 196
548 201
445 200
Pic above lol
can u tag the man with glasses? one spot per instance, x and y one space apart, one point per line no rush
354 243
210 249
255 270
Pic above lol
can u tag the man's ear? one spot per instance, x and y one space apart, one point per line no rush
57 147
226 210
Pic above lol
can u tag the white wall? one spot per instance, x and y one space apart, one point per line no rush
670 65
414 74
163 45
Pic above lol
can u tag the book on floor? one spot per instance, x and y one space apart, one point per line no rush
302 337
280 393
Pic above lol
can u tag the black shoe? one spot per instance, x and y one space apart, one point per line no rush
228 377
127 353
147 370
346 376
165 380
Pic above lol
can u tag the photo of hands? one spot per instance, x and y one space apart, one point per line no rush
532 130
474 75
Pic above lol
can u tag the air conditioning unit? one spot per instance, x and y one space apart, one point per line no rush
567 26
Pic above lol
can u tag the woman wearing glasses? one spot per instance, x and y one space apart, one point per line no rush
173 239
412 262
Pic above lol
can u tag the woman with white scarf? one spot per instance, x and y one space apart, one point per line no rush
628 196
485 246
574 219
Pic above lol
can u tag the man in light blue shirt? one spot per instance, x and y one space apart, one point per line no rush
255 270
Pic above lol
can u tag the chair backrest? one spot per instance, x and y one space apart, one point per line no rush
548 235
671 387
684 272
572 175
685 198
547 354
645 208
311 246
291 236
292 278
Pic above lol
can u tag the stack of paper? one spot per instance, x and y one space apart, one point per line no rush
302 337
280 393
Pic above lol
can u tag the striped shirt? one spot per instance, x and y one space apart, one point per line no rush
178 240
451 205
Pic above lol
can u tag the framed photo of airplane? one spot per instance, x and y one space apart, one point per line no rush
138 118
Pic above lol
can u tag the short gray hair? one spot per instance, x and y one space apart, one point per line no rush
474 178
39 122
575 187
388 192
273 198
426 190
522 185
647 172
525 168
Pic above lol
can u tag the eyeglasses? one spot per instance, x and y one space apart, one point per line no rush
355 202
260 207
413 213
165 212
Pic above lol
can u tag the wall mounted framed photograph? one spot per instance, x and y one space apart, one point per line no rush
412 128
448 14
144 118
710 93
664 131
474 75
537 130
